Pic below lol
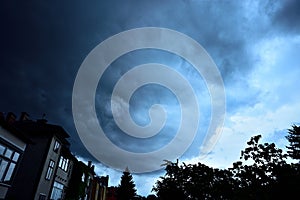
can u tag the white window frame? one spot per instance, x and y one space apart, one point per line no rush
8 161
50 170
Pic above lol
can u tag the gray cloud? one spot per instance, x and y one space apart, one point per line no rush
287 17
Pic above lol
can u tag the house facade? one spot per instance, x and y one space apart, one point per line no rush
39 172
12 146
63 174
36 163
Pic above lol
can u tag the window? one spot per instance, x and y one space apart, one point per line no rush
8 161
42 197
8 153
83 177
57 191
9 171
16 157
56 146
2 149
3 167
50 170
63 163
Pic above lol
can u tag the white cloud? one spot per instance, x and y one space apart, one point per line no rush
241 126
275 77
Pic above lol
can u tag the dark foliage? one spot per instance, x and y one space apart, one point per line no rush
194 182
257 172
126 189
261 173
77 187
294 139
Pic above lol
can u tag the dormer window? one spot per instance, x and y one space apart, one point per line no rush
56 146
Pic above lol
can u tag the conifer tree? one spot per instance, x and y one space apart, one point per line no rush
126 189
294 139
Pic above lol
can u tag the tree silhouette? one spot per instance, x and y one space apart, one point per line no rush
294 139
258 170
194 182
261 173
126 189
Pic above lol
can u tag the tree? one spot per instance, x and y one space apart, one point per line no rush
258 170
77 187
192 182
261 173
126 189
151 197
294 139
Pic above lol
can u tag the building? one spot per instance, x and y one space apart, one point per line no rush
111 193
12 146
36 163
45 169
99 188
85 184
62 174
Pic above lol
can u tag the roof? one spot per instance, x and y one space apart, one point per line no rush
34 128
18 133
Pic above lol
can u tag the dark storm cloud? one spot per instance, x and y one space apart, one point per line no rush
41 51
44 42
287 17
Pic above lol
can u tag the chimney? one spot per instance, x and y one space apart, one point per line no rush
10 118
89 164
24 116
43 120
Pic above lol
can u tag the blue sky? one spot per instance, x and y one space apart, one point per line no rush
254 44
